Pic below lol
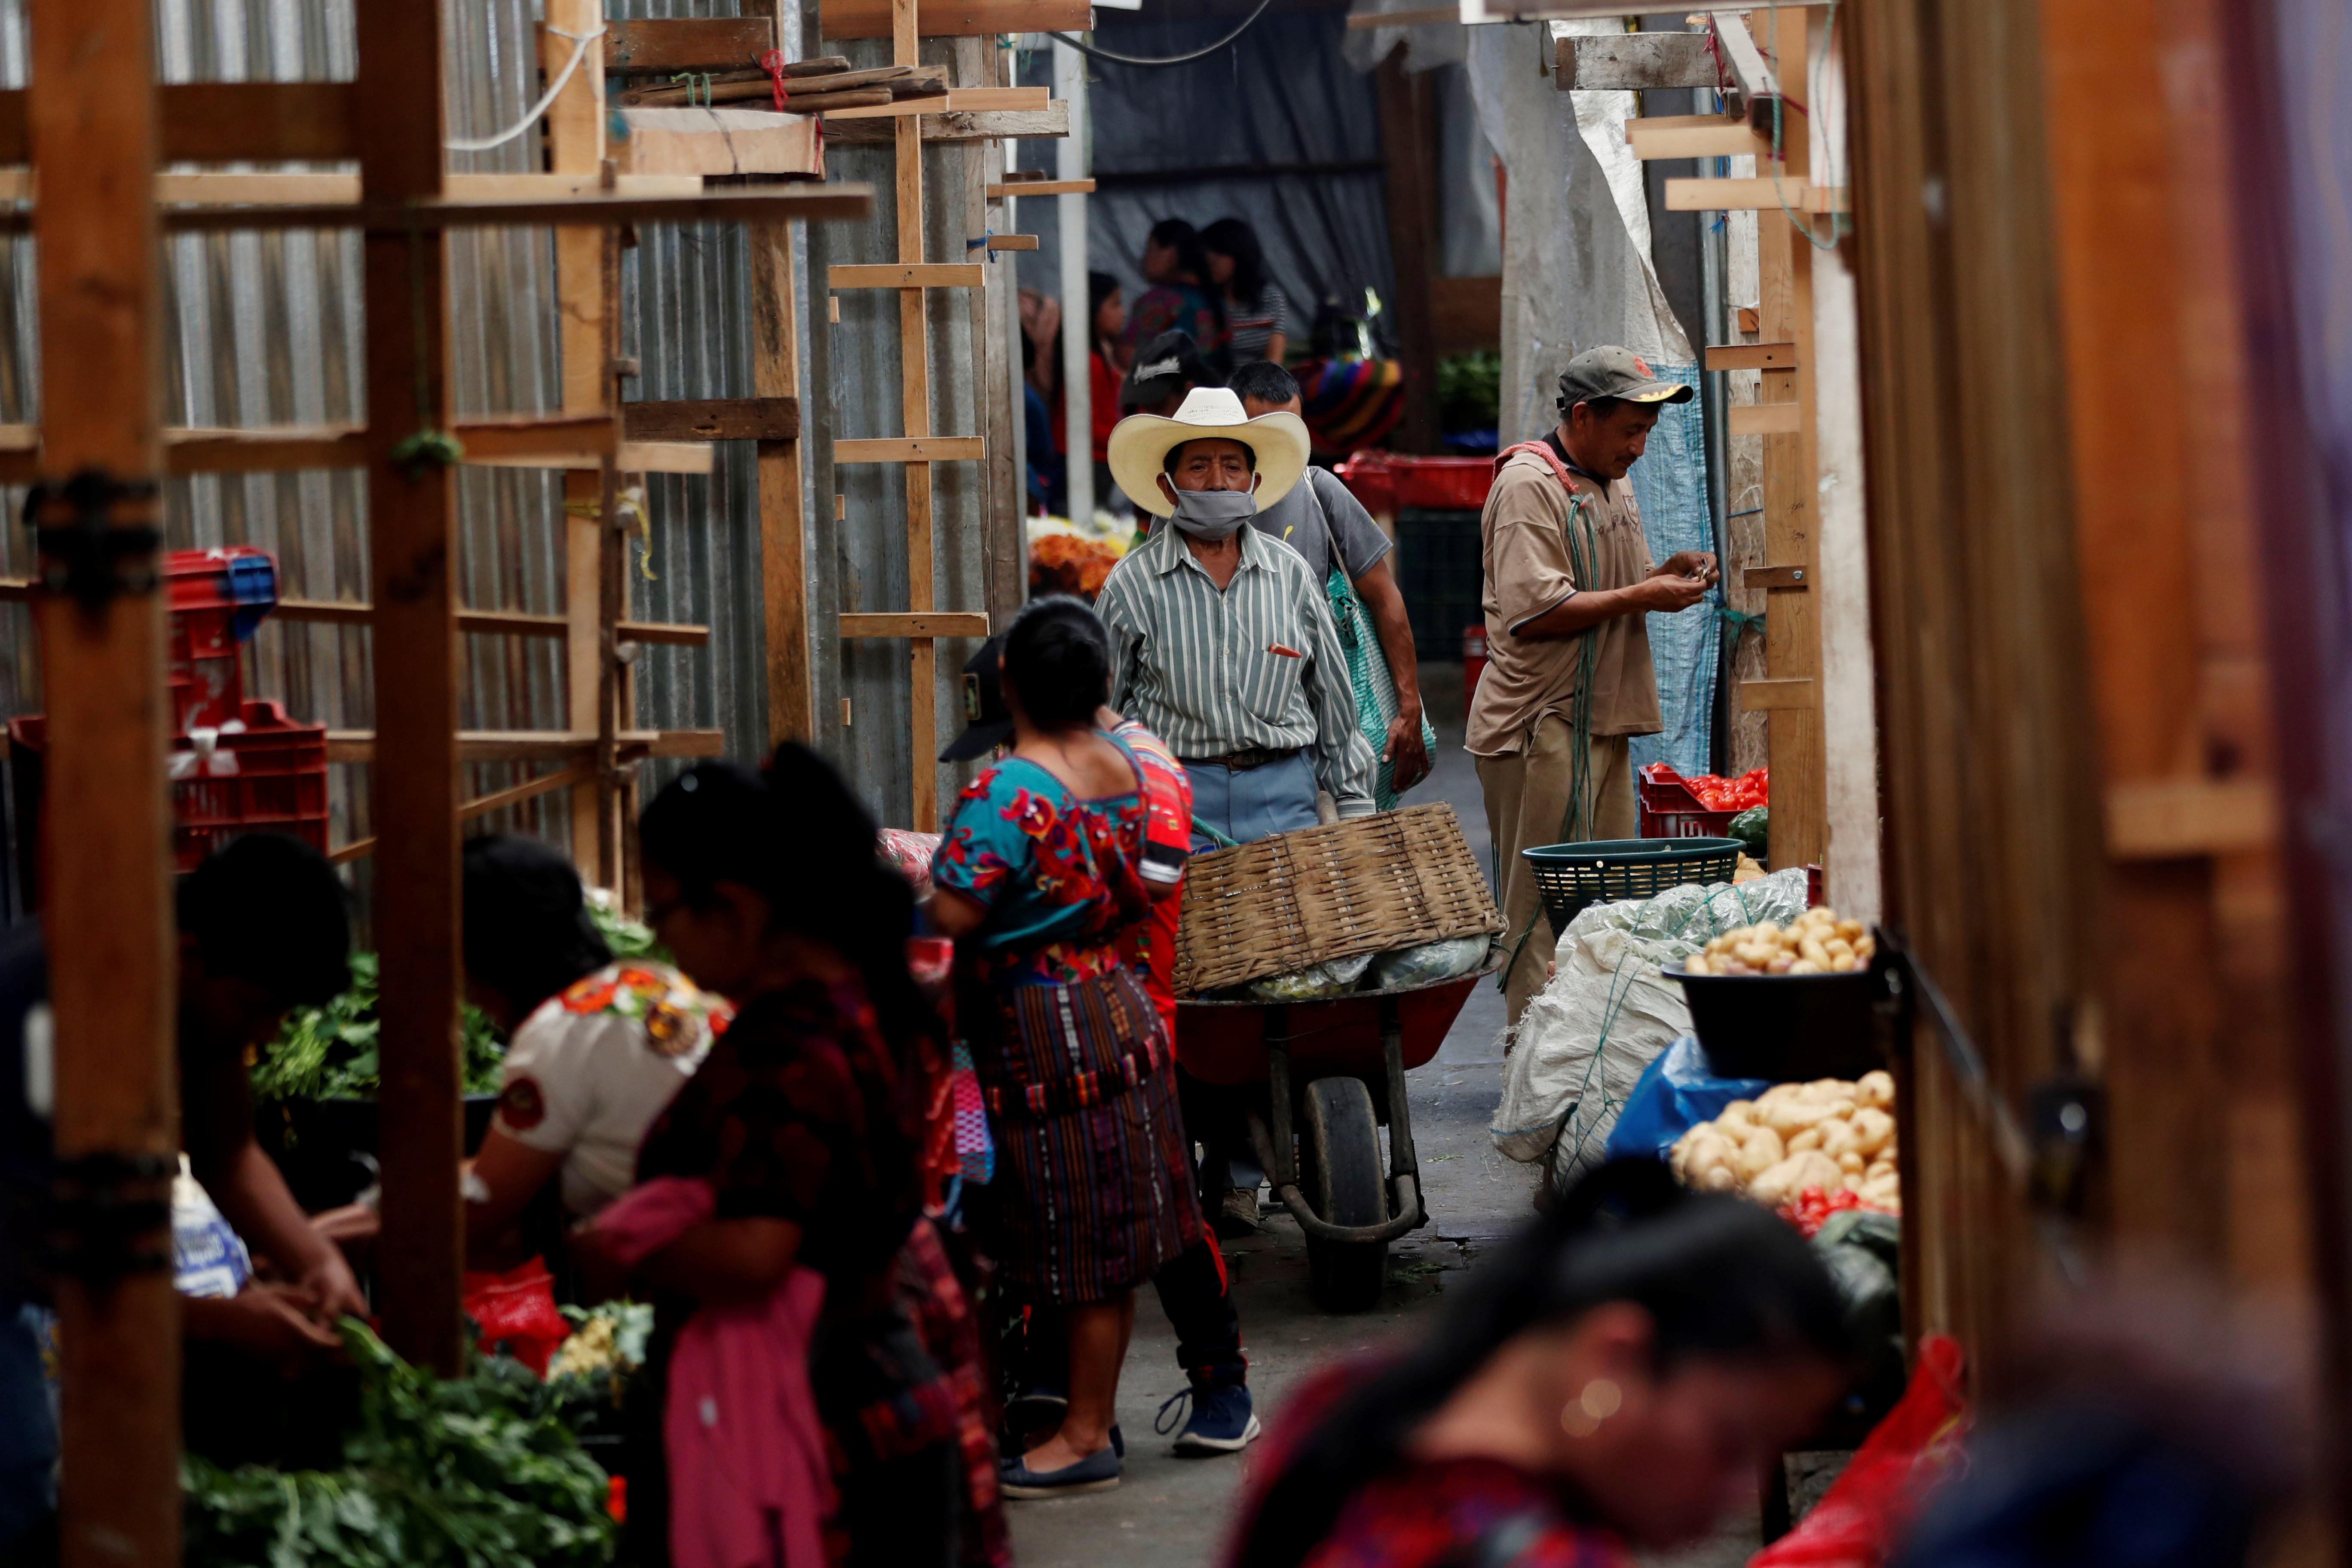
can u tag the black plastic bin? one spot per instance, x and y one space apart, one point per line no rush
315 1141
1787 1028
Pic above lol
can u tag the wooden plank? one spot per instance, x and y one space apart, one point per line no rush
515 623
916 275
630 458
976 99
783 528
1746 79
480 806
556 210
917 450
2171 818
1773 696
914 415
109 922
1775 577
966 125
1752 357
720 142
540 745
652 45
1732 139
1764 419
228 121
1041 188
213 187
1764 194
413 559
1409 149
1633 61
1011 242
957 18
532 436
1465 313
776 418
929 623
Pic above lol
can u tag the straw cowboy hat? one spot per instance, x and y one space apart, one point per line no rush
1139 445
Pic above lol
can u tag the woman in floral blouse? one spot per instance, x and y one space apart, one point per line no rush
1041 871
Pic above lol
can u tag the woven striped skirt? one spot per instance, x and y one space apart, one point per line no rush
1094 1171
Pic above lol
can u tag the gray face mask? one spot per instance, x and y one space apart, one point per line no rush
1213 514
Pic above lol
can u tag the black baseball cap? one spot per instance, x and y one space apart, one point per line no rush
987 722
1613 372
1169 365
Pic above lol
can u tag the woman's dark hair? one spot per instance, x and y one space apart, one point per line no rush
528 931
267 909
795 835
1057 659
1100 286
1192 256
1230 236
1719 1276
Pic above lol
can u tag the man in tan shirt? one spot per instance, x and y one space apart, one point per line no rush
1569 582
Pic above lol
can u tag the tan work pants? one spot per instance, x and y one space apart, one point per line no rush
1526 803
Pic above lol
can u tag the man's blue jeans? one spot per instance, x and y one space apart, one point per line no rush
1252 804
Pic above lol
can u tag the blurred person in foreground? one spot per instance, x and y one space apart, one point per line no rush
1611 1381
1323 521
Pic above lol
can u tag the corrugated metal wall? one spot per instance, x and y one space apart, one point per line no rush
265 329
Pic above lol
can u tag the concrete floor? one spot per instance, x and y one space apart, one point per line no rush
1169 1512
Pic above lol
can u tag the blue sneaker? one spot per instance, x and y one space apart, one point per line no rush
1221 1421
1098 1472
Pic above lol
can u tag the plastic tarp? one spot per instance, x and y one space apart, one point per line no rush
1586 1038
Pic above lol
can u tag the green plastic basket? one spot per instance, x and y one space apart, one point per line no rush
1570 875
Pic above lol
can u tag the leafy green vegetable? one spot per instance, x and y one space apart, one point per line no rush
1470 391
1753 827
626 936
330 1052
477 1471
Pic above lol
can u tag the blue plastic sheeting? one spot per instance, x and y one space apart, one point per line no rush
1670 486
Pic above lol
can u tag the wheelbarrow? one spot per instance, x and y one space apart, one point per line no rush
1334 1073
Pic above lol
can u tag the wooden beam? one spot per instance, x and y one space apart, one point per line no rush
480 806
1041 188
1780 696
540 745
1631 61
412 512
776 418
214 188
2176 818
981 100
720 142
656 46
966 125
922 449
557 210
1746 79
1752 357
515 622
1764 419
1730 139
1465 313
783 527
932 623
1775 577
1409 146
997 242
918 275
915 418
1760 194
108 920
227 122
958 18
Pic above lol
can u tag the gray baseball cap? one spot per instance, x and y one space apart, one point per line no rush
1612 372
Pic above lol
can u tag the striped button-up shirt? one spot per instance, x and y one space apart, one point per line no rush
1257 663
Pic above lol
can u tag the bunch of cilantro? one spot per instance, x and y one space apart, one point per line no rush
480 1471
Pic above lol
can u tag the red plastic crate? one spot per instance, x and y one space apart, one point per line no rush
268 776
216 597
1669 810
1385 482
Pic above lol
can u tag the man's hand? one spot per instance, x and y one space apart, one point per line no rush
333 1292
1699 564
1665 594
1405 749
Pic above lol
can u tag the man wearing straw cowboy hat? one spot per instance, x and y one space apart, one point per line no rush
1222 642
1569 588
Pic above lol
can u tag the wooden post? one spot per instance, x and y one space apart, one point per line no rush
915 404
1792 639
1408 145
575 146
109 922
412 507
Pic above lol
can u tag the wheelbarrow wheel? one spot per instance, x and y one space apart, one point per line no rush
1342 1183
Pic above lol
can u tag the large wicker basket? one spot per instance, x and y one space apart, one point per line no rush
1373 885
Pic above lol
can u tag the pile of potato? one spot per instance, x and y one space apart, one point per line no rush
1831 1134
1815 943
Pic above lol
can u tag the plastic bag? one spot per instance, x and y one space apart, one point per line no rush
1334 978
1674 1093
1430 962
516 1312
1584 1041
1890 1476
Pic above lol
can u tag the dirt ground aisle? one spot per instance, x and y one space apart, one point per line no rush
1173 1513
